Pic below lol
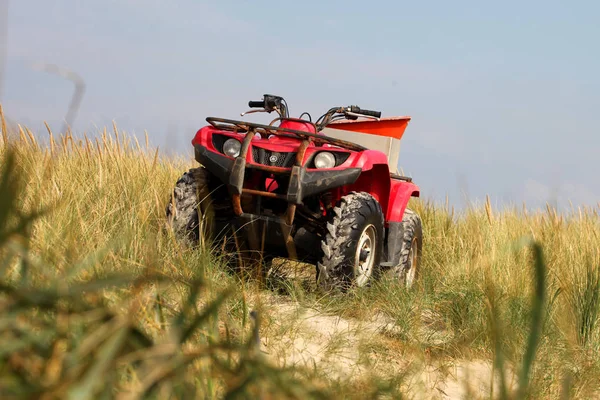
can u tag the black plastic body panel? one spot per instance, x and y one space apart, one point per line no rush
303 183
393 244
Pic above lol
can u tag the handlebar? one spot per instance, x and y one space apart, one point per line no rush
350 112
271 103
358 110
276 103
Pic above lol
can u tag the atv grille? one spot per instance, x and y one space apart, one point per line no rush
273 158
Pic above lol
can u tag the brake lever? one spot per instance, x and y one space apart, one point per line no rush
252 112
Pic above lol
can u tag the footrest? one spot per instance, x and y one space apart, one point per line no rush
401 177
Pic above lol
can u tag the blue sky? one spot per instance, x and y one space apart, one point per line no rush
504 96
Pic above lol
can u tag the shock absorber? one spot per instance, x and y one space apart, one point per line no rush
327 201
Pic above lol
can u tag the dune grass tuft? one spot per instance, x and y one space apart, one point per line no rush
97 299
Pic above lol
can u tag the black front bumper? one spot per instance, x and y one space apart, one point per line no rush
302 183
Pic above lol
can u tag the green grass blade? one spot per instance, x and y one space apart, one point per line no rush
93 379
209 311
537 314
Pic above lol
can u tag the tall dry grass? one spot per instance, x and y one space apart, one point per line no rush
481 262
96 294
97 300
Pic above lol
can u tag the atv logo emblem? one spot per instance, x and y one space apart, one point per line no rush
273 159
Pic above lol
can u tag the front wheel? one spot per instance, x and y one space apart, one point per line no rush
353 245
200 212
191 207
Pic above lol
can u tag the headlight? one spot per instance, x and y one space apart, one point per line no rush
324 160
232 147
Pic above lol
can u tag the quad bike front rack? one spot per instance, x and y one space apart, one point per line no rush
251 129
238 169
267 130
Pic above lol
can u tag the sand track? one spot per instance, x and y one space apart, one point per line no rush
340 348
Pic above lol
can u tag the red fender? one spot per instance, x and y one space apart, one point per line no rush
367 159
400 194
202 136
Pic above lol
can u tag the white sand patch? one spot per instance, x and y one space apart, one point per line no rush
335 346
304 337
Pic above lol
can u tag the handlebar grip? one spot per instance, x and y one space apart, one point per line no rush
256 104
376 114
358 110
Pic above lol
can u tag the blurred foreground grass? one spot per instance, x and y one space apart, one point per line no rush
98 301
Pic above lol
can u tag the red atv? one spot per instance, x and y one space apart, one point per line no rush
319 192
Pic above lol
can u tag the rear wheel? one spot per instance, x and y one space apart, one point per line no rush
409 268
353 244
